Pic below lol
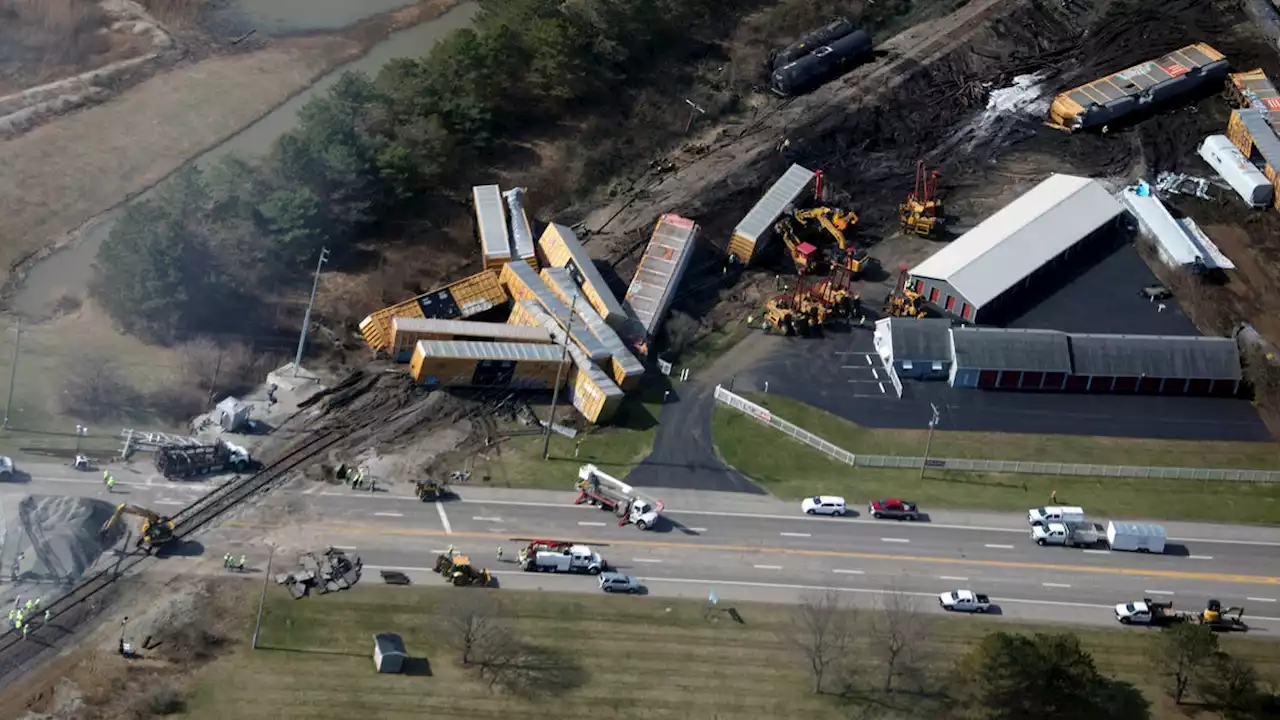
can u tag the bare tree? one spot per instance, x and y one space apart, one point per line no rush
822 628
474 627
96 389
1182 653
898 628
1230 685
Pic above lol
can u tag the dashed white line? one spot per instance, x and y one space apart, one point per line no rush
1200 557
868 359
486 518
1057 585
768 567
169 502
387 514
646 560
1097 552
1254 599
952 577
875 374
881 388
591 523
444 519
848 572
899 540
795 534
697 530
1158 592
999 547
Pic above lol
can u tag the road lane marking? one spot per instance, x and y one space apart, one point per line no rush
767 567
953 577
1158 592
1200 557
697 530
881 388
646 560
1097 552
169 502
795 534
900 540
999 547
387 514
1057 585
1254 599
848 572
591 524
444 519
879 557
486 518
868 359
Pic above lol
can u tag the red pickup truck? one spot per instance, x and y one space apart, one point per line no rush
894 509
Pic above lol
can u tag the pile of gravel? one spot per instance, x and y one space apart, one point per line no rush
50 540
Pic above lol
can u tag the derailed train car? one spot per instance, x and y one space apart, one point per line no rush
825 35
821 65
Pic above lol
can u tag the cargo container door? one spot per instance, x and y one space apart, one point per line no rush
494 373
439 306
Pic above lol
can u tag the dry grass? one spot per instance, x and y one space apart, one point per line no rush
45 40
176 14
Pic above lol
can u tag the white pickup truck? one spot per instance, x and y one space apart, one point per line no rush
1068 534
572 559
964 601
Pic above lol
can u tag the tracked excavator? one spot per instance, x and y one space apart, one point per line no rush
805 311
805 255
904 301
154 531
835 223
922 212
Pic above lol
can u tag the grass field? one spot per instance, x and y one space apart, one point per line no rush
790 469
636 657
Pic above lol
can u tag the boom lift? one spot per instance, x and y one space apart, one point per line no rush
155 530
596 487
808 309
922 212
904 301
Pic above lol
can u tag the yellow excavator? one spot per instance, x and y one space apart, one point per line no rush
804 255
835 223
904 301
922 212
154 531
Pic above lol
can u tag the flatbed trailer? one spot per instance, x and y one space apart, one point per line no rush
177 461
609 493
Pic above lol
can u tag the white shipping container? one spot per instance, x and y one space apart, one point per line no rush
1235 168
1136 537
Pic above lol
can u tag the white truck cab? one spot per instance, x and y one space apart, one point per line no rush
1067 534
1054 513
964 601
574 559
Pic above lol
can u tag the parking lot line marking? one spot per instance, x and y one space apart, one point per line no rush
169 502
848 572
881 388
486 518
444 519
875 373
795 534
1254 599
901 540
591 523
1097 552
646 560
1158 592
850 367
1059 585
953 577
1200 557
768 567
387 514
999 547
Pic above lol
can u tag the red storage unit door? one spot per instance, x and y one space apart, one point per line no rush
1198 387
951 303
966 311
1223 388
1101 384
1053 381
933 296
987 378
1031 380
1126 384
1149 386
1009 379
919 286
1078 383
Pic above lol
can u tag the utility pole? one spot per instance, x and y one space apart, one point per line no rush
306 319
81 431
262 598
933 422
13 374
555 393
693 112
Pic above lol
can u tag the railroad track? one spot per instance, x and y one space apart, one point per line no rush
82 602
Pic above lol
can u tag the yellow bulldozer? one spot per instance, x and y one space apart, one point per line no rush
155 530
904 301
459 571
922 212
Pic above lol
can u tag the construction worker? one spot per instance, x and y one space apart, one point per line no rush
29 605
25 628
48 615
499 553
240 565
111 484
1053 498
226 560
106 476
450 551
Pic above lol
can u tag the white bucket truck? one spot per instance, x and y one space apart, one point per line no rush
571 559
1136 537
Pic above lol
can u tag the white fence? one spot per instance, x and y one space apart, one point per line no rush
766 417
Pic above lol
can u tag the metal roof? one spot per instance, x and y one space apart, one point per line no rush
776 199
1012 349
1155 356
491 222
599 377
1263 135
472 350
582 261
663 264
1144 76
1179 242
923 339
1021 237
521 232
562 279
1258 90
470 328
558 310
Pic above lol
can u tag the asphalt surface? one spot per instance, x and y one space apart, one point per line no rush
749 547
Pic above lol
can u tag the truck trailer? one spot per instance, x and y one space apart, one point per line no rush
1136 537
609 493
178 461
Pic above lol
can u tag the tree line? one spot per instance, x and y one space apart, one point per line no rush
1008 675
214 244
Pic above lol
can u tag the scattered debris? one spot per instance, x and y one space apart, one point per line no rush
1183 184
332 571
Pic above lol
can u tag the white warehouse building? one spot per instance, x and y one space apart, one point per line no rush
980 276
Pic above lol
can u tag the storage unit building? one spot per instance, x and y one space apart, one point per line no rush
406 332
625 369
1179 242
522 245
491 226
1256 140
653 287
388 653
982 274
914 348
1153 364
1243 177
1009 359
524 284
465 298
1253 89
757 224
465 363
1138 87
560 247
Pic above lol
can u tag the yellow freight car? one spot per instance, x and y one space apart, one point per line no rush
406 332
751 233
625 369
561 248
464 363
1256 139
523 284
590 390
1253 89
465 298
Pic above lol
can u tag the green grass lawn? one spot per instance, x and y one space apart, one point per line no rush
791 470
634 658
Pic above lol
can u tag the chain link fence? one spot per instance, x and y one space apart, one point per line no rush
764 416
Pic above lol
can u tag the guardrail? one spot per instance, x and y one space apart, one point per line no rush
1021 467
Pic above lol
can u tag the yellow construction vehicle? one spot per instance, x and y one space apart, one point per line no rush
904 301
430 489
155 530
835 223
922 212
459 571
808 309
804 255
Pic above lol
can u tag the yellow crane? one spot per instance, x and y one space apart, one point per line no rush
804 255
904 301
154 530
835 223
922 212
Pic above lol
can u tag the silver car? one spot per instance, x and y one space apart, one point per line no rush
612 582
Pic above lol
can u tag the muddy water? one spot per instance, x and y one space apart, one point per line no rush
286 17
69 271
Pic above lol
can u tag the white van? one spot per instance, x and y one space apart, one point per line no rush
1136 537
1055 514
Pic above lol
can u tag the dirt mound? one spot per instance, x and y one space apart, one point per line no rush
50 539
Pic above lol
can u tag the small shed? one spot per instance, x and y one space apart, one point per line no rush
232 415
388 653
915 348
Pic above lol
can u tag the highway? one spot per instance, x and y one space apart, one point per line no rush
751 548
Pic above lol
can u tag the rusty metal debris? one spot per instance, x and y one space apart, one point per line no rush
327 572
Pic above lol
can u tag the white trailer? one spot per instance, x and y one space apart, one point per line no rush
572 559
1136 537
1247 180
609 493
1072 534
